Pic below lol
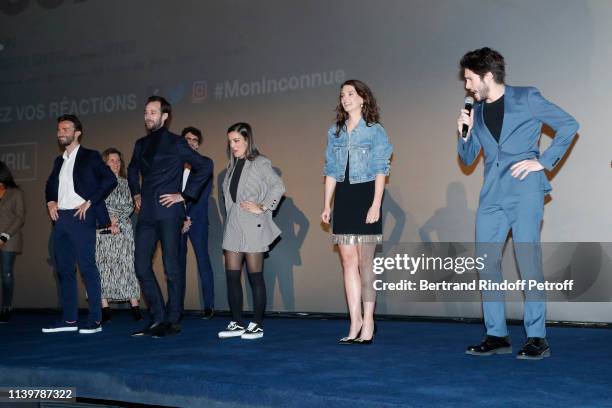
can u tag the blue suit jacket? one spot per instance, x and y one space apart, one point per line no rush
525 110
159 158
198 209
93 181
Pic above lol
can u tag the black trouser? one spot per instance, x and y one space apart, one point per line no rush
148 233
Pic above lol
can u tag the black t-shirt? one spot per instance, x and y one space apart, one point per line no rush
494 116
236 178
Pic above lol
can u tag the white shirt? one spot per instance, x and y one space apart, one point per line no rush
67 198
186 172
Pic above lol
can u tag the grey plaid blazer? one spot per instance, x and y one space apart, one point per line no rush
243 230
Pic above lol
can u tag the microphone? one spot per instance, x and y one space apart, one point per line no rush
469 102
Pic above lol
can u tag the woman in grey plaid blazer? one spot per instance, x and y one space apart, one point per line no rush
251 191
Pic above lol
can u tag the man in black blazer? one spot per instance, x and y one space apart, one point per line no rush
159 158
195 229
75 193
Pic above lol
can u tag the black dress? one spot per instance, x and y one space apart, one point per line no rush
351 205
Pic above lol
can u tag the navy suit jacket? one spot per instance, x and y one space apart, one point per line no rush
93 181
198 209
525 110
159 159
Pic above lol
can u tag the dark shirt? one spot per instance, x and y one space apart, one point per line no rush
494 117
236 178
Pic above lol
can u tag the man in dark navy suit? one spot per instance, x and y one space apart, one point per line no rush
75 193
195 228
159 158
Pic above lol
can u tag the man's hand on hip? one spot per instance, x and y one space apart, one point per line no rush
522 169
82 210
168 200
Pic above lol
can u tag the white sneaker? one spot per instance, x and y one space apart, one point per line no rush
254 331
233 330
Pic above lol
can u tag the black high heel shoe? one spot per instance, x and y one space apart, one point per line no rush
349 340
359 340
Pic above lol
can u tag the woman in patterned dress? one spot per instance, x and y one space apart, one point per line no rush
115 245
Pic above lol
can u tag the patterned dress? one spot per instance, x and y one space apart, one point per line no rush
115 253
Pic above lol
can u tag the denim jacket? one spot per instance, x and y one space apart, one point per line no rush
367 148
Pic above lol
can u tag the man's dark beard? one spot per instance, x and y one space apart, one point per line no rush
156 126
68 141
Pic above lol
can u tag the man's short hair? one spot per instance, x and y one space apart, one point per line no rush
485 60
193 131
165 105
71 118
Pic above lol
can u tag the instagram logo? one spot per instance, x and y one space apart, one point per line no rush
199 91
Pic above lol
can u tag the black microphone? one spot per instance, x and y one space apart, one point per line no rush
469 102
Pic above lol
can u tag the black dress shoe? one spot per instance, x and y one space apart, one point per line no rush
152 329
208 314
169 329
136 314
5 315
491 345
106 314
536 348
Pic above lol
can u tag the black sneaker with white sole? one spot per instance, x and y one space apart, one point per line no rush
61 326
91 328
233 330
254 331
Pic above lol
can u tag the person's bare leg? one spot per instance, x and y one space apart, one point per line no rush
352 286
368 294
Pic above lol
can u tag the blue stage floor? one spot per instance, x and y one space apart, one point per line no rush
299 364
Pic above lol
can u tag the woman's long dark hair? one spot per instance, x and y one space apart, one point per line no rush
112 150
245 130
369 110
6 177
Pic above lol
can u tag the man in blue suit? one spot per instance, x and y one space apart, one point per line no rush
196 229
75 193
506 124
159 158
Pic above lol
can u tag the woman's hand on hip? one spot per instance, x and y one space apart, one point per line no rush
251 207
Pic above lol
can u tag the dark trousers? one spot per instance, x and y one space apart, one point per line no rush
74 242
7 261
168 232
198 235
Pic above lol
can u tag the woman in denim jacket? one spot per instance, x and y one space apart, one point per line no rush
356 165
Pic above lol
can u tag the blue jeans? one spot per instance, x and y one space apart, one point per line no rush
7 260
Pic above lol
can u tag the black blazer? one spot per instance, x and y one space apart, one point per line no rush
159 159
198 209
93 180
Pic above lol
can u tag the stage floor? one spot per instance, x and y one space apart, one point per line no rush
299 364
